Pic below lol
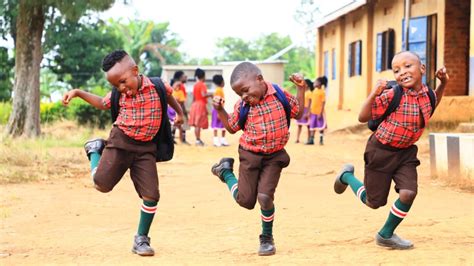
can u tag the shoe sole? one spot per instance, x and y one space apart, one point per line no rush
393 246
267 253
143 254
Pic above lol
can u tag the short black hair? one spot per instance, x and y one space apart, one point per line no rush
113 58
243 69
199 73
310 84
217 79
323 81
178 74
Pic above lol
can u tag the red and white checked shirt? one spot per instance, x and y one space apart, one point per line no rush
139 115
266 128
405 125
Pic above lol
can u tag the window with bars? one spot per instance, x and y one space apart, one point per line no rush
385 50
355 58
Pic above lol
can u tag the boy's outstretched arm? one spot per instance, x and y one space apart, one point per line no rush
218 103
177 107
366 111
443 76
298 80
92 99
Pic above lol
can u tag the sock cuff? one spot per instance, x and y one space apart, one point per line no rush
268 212
149 206
400 209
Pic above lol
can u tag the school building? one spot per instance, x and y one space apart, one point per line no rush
356 43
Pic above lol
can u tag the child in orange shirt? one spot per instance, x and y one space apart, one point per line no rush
216 123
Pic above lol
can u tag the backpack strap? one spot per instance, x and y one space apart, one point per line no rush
114 104
280 94
392 106
161 90
432 97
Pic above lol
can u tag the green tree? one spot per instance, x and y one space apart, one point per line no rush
235 49
28 32
74 50
150 40
6 66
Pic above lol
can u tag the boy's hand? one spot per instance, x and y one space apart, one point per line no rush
179 120
68 97
380 86
298 80
218 102
442 75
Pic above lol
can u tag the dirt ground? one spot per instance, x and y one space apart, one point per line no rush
65 221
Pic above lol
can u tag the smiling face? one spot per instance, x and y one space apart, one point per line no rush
124 76
250 87
408 70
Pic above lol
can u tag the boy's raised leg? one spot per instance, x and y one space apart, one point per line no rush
94 150
224 170
346 177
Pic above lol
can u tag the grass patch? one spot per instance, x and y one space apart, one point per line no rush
57 153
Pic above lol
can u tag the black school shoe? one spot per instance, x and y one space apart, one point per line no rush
339 186
267 246
94 145
218 168
141 246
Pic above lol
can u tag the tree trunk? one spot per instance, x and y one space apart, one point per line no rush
25 116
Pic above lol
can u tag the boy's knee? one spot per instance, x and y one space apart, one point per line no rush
407 196
375 205
247 203
265 201
102 189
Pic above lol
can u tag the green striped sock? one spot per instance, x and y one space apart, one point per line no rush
398 211
356 186
147 213
231 182
95 158
267 221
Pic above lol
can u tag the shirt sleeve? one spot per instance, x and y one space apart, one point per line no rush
294 104
234 117
169 89
381 103
106 100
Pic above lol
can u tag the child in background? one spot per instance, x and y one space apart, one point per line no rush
182 78
317 119
198 114
304 120
216 123
261 147
179 95
391 152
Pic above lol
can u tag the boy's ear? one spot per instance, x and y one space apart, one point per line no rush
259 77
135 70
423 69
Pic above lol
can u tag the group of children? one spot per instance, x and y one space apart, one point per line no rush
262 113
314 117
198 115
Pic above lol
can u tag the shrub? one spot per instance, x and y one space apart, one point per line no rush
5 110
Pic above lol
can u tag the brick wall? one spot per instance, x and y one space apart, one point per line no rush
456 46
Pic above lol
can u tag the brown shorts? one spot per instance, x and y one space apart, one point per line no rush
384 163
259 173
122 153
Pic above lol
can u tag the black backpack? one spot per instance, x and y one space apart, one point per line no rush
393 105
244 109
164 138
